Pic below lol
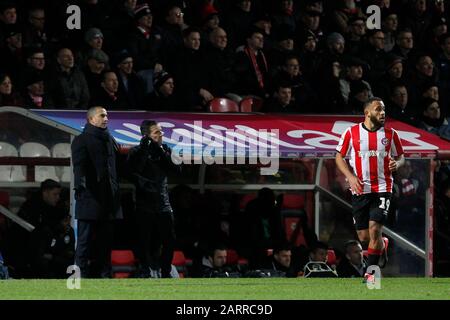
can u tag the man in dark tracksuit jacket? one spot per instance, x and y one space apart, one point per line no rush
97 194
149 164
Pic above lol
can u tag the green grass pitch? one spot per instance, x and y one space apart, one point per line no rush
228 289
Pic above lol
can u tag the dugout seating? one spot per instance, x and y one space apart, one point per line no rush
251 104
10 173
62 150
181 263
34 149
123 263
233 258
223 105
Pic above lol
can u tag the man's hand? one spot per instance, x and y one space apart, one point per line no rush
393 165
355 185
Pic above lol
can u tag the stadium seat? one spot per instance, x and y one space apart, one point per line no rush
251 104
223 105
62 150
245 200
180 262
123 263
10 173
293 201
34 149
331 261
233 258
293 230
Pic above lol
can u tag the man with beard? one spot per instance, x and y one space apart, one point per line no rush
375 152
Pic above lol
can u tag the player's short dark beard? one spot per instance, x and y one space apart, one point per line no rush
375 121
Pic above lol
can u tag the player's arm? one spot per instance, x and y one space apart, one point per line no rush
355 183
396 162
398 158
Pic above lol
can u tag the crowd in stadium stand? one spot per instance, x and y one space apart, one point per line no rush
294 56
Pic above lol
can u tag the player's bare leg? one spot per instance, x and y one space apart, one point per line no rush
376 245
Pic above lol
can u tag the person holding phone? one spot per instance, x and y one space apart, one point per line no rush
148 165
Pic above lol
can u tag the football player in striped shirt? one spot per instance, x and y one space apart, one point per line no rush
374 151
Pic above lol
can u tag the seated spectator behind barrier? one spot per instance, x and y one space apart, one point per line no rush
252 68
30 250
354 265
11 57
35 95
432 119
8 97
35 62
144 44
220 59
96 64
213 264
397 106
67 84
281 102
131 87
163 97
190 72
280 260
109 94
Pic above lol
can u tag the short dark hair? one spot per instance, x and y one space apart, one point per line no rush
50 184
351 243
319 245
282 247
145 126
216 246
370 101
186 32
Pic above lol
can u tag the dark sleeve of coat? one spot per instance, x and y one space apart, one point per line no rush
79 160
135 164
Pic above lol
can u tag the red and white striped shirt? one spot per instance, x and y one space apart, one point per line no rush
370 152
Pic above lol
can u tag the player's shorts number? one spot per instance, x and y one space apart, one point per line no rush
385 203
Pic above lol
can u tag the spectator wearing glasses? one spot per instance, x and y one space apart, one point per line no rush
172 30
35 62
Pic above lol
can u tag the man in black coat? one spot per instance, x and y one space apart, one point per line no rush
354 265
97 195
29 251
149 163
